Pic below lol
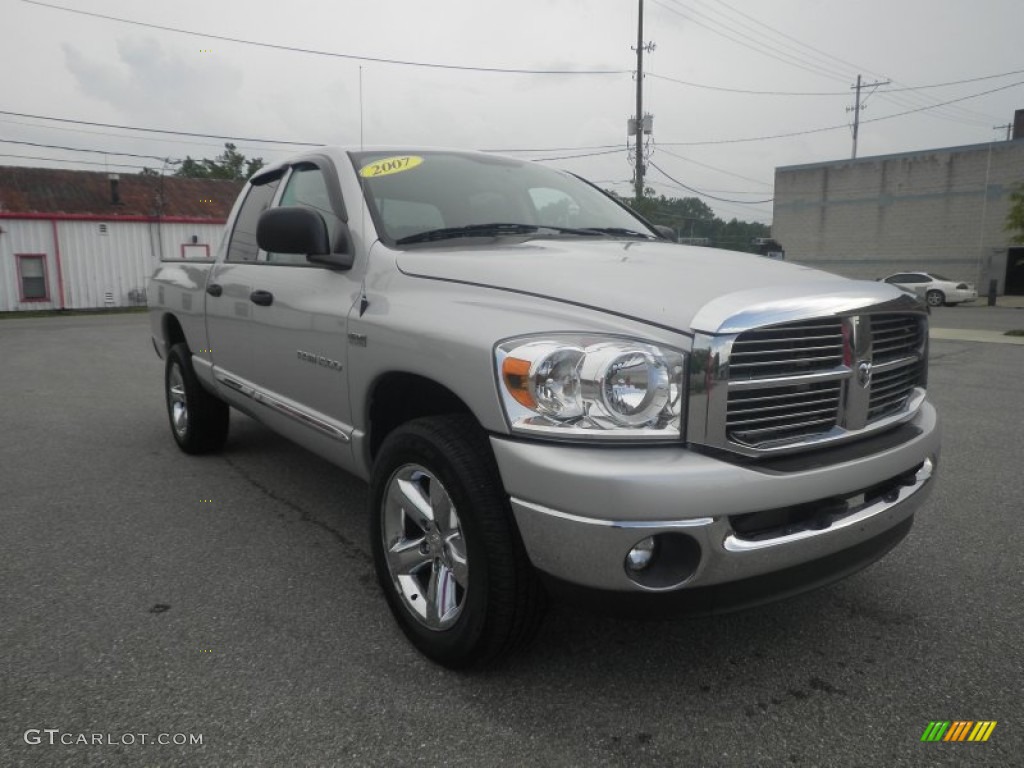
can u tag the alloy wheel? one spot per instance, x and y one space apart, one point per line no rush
424 547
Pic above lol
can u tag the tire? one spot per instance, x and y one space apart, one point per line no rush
199 421
462 589
935 298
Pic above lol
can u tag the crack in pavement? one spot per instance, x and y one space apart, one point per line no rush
349 546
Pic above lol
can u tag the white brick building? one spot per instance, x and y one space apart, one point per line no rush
940 210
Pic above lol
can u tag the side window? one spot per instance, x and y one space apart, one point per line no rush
243 237
308 187
901 278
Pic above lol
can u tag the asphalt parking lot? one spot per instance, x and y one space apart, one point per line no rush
232 597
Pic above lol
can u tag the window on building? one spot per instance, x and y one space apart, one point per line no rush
243 245
32 276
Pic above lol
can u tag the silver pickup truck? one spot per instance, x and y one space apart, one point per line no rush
546 395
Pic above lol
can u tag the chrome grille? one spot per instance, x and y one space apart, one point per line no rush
891 389
895 336
786 350
780 413
787 386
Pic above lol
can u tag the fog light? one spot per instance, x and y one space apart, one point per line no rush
641 555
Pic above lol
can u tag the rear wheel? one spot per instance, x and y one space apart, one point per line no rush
446 550
199 421
935 298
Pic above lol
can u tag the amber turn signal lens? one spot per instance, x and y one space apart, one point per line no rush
516 374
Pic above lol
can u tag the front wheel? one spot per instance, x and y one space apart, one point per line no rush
446 550
935 298
199 421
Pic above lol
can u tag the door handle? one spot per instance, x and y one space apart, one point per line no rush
214 289
263 298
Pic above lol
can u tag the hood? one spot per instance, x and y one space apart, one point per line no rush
681 288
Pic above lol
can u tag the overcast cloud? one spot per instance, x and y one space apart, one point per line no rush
70 66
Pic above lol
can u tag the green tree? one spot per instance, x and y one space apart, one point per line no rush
230 164
1015 217
691 217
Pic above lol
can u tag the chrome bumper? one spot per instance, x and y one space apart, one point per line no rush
580 510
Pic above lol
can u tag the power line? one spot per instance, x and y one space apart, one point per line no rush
899 101
745 90
91 151
66 160
714 168
138 138
943 103
838 127
158 130
845 94
556 149
587 154
332 54
757 46
705 194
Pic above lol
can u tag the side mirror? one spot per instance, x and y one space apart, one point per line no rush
667 232
293 229
301 230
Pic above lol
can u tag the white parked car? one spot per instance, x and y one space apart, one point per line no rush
936 289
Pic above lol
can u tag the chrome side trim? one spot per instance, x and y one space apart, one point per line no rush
924 474
292 410
696 522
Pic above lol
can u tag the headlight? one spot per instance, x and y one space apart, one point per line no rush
597 387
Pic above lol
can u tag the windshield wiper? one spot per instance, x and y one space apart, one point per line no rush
496 229
620 232
469 230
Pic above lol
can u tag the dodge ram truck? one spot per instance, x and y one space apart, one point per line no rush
546 394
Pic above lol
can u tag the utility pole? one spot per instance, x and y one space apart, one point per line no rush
639 173
641 124
857 108
1008 127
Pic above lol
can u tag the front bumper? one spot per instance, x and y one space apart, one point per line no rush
581 509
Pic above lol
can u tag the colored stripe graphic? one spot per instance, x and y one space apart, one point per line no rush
935 730
958 730
982 730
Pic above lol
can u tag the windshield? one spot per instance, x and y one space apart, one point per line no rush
428 197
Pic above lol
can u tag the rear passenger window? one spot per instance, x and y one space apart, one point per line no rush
243 245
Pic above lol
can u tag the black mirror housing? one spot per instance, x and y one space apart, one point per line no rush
667 232
293 229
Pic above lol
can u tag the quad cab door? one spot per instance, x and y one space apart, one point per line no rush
295 329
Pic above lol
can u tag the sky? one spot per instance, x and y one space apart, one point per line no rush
720 71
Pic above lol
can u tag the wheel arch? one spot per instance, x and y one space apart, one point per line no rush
171 331
398 397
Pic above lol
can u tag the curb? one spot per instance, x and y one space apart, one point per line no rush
960 334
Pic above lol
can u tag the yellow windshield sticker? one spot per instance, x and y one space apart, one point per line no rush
389 165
